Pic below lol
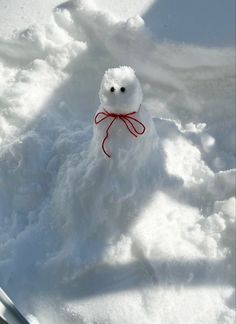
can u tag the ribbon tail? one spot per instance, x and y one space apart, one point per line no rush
103 145
106 137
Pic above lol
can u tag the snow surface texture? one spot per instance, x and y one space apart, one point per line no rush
22 13
87 239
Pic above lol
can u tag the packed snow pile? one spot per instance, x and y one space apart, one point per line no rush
147 235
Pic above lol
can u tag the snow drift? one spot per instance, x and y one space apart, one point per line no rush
84 239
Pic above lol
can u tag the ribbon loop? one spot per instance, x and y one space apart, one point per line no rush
127 119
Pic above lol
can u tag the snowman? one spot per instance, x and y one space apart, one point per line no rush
102 190
123 128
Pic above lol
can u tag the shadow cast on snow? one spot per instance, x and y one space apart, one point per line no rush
179 22
107 279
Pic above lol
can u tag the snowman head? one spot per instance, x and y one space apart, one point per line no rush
120 91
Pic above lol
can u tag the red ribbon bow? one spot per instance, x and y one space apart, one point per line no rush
127 119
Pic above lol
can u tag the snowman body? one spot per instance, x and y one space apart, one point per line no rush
123 127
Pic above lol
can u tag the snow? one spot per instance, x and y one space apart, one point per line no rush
19 14
205 23
121 109
111 95
147 236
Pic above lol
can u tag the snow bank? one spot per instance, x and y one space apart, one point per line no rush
87 240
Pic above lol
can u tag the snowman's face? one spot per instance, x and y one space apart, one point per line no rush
120 91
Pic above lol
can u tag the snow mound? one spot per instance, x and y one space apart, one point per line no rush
147 238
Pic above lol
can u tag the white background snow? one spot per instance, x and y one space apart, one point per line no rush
84 240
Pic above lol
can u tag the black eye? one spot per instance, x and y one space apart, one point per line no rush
122 89
112 89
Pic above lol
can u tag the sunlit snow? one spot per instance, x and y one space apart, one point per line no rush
144 237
